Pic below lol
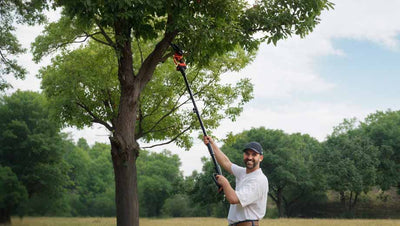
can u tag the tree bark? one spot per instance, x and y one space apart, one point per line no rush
5 217
126 196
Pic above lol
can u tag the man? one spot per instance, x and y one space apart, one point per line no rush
249 198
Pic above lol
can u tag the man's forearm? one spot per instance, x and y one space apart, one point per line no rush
230 194
221 158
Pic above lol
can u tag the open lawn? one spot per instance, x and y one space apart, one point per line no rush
57 221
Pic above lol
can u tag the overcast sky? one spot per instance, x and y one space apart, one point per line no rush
348 67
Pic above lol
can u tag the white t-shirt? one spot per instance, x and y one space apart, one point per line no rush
252 191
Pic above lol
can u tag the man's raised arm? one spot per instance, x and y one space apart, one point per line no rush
221 158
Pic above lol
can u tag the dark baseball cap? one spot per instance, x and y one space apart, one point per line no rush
255 146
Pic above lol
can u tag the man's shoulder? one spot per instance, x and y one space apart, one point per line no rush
238 171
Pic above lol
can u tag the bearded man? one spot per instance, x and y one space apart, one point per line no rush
249 198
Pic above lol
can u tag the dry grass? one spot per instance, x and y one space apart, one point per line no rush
56 221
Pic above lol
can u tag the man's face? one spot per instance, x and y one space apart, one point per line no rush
251 159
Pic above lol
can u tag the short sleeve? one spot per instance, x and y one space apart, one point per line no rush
237 171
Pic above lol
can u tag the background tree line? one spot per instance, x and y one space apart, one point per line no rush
43 172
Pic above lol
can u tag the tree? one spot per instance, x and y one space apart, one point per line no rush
31 146
288 164
82 144
92 188
204 29
78 160
159 178
349 162
11 12
383 129
12 193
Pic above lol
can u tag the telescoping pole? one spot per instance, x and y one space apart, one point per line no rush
181 66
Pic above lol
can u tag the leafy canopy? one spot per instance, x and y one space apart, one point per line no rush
204 29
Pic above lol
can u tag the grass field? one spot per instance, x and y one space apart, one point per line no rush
56 221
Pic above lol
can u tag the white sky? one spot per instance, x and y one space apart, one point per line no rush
301 85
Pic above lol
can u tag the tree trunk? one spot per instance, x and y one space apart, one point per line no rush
343 200
126 196
5 217
350 202
279 203
124 148
355 200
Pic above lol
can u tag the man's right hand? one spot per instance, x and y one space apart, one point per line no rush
222 159
208 139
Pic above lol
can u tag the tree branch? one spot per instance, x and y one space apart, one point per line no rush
149 64
164 116
4 59
95 118
108 39
176 106
162 100
172 140
156 108
84 38
96 39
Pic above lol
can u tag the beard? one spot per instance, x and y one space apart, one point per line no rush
250 164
